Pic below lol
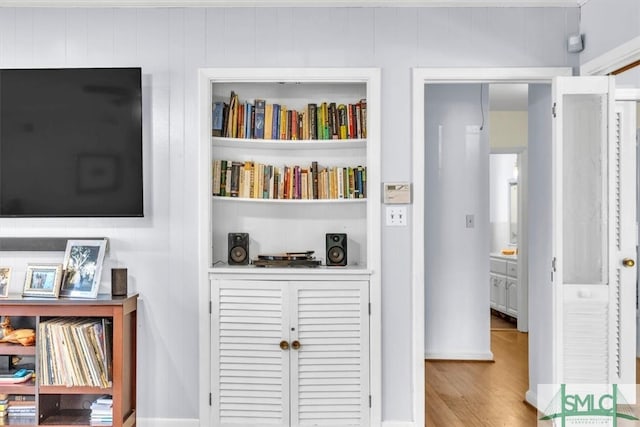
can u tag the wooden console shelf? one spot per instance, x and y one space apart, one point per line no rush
67 406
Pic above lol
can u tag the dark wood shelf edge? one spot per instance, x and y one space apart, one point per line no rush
28 387
61 389
39 244
9 349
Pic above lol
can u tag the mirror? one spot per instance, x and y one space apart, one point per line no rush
513 212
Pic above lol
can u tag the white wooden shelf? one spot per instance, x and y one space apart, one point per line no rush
279 144
288 201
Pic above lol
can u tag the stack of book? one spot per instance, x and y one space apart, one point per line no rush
4 404
255 180
262 120
21 408
75 352
102 411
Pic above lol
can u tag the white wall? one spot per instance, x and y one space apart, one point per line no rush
607 24
170 44
500 174
457 185
540 251
508 130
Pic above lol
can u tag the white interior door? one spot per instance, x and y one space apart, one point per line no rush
593 235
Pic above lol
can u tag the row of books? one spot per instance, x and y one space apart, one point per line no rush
261 181
101 411
75 352
261 120
17 408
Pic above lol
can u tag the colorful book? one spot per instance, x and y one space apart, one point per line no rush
260 108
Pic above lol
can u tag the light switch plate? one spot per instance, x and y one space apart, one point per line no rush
396 215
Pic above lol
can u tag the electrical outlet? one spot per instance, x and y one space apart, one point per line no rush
397 215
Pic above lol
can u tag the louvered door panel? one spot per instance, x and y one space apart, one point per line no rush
250 373
330 371
585 331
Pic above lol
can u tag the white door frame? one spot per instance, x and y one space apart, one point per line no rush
625 54
421 77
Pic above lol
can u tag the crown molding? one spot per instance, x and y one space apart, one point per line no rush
287 3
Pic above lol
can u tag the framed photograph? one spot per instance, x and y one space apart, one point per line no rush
42 280
82 268
5 276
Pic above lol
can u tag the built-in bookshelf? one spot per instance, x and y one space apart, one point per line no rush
289 157
299 144
95 340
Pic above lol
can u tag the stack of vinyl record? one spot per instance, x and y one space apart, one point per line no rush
288 259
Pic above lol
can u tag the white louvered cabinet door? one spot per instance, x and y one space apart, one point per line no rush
330 369
250 372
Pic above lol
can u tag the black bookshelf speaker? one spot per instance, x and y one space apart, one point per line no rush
336 249
238 248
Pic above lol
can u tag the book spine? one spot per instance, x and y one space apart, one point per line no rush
258 181
223 178
251 122
283 122
215 174
228 180
313 121
295 131
314 178
339 183
342 121
275 125
268 121
239 130
304 123
309 184
266 181
260 106
333 120
304 185
364 182
358 121
351 121
326 131
217 118
235 179
363 119
232 117
352 183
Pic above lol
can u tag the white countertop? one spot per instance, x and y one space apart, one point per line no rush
501 256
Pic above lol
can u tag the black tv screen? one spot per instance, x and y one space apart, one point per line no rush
71 142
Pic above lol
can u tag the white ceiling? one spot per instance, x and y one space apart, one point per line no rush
290 3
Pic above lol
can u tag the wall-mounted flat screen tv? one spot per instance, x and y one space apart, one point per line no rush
71 142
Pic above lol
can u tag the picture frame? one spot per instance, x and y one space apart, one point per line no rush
42 280
83 268
5 280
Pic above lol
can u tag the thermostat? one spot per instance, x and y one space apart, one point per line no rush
397 192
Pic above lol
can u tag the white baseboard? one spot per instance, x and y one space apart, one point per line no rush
531 398
167 422
459 356
398 424
178 422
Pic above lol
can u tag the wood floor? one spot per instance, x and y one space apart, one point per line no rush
491 394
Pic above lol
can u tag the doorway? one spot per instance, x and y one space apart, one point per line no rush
508 139
422 77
